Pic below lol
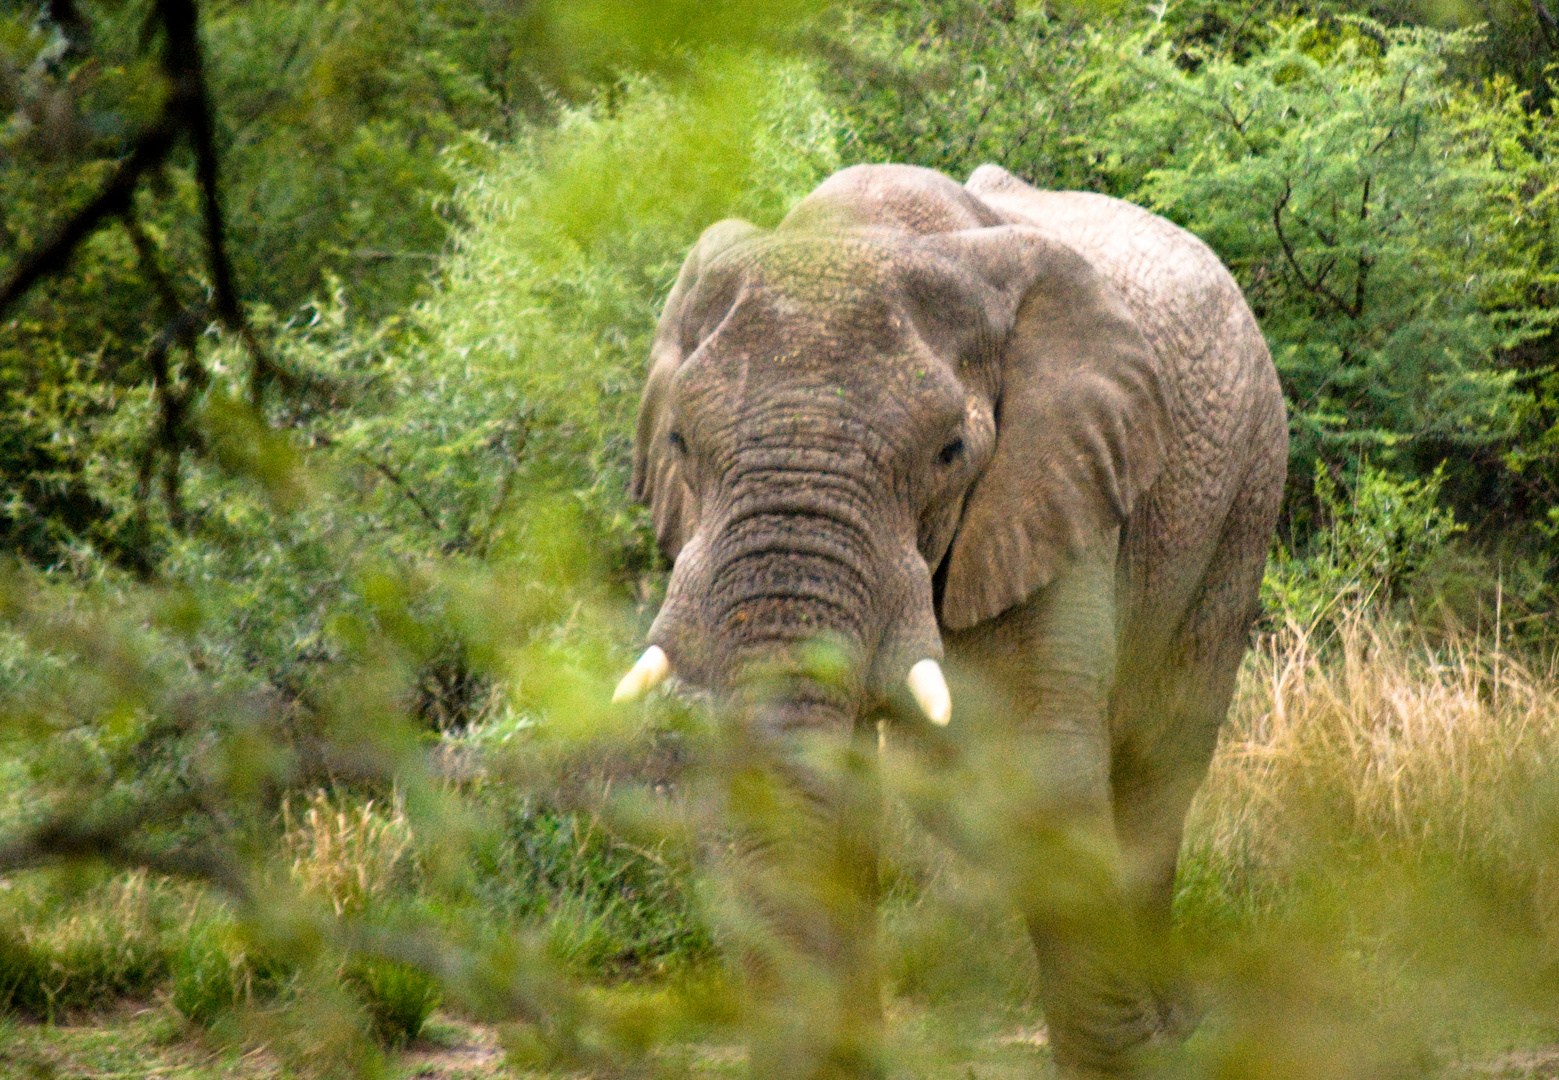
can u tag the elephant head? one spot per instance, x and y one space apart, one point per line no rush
892 416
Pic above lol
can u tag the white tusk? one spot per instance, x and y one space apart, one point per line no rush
650 671
930 690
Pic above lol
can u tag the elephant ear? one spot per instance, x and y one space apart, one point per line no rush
657 476
1080 421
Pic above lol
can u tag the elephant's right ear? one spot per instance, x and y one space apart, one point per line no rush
657 476
1080 421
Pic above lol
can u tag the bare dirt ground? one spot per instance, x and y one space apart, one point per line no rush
143 1041
1538 1064
454 1050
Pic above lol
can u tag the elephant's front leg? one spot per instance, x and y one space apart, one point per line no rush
1042 819
799 873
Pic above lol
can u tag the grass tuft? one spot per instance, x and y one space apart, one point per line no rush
71 953
1379 745
351 855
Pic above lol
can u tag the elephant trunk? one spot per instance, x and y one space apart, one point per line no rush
789 603
801 580
792 594
792 606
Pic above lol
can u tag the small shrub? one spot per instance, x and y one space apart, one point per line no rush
358 856
211 973
1370 542
608 906
60 955
399 998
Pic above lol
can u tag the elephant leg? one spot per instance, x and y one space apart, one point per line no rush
798 874
1040 812
1096 968
1152 798
1033 808
1166 734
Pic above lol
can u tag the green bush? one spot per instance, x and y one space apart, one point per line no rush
62 954
1394 230
1369 543
399 998
211 973
607 906
1366 232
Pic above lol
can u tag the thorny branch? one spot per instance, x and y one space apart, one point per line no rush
394 477
146 252
186 116
1317 285
67 838
150 150
1547 23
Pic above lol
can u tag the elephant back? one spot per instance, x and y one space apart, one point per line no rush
1226 418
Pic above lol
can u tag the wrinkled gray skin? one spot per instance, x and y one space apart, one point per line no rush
1039 431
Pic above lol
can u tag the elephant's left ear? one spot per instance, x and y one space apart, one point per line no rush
1081 421
657 479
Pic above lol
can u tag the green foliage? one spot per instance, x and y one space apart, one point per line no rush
400 998
343 130
213 974
333 126
1516 44
64 950
1370 542
334 118
952 84
1323 171
446 511
608 906
355 677
1393 229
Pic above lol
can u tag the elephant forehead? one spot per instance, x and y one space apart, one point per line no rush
783 328
854 279
882 320
772 349
819 266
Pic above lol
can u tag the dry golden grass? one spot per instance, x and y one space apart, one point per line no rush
351 853
1379 744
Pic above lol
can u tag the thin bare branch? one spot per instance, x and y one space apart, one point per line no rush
1317 286
1547 23
394 477
149 151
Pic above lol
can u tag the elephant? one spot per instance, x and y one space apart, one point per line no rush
1030 438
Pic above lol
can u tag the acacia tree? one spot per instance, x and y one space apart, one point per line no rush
145 746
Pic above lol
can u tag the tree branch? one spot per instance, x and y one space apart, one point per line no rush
1318 286
67 839
1547 23
149 151
394 477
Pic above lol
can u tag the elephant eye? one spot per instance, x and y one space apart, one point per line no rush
678 443
951 452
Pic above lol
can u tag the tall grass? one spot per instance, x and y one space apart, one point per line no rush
1376 796
66 948
1376 740
349 854
1374 859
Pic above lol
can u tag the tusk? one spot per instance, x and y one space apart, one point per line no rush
930 690
650 671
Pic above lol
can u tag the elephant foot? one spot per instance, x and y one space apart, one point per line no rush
1179 1012
797 1061
1138 1038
